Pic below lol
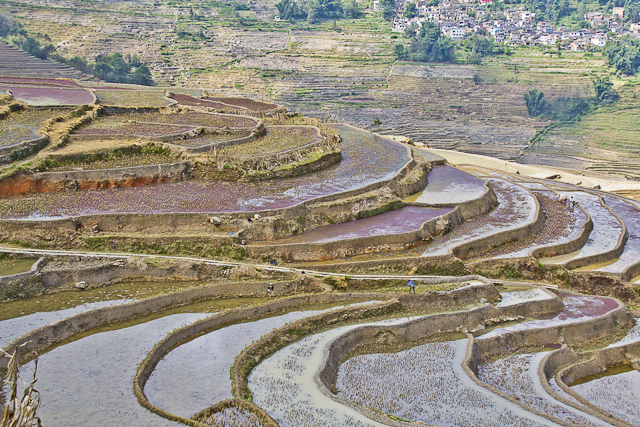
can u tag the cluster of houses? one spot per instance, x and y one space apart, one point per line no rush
459 19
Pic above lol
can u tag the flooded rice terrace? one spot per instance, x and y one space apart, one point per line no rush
403 220
517 207
88 380
366 159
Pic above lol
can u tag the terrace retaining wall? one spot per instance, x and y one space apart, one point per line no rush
47 182
22 149
463 250
579 365
28 279
550 364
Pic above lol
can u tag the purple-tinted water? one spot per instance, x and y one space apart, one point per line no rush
448 185
517 207
630 214
517 376
606 227
366 159
576 309
409 218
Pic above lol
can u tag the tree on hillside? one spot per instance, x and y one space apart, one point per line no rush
535 102
388 9
9 26
625 55
352 9
602 85
410 10
116 68
427 45
291 10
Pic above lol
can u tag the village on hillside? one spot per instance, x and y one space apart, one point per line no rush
516 27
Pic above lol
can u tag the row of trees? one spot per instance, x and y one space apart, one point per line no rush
313 10
115 68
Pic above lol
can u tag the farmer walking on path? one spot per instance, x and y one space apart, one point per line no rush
412 286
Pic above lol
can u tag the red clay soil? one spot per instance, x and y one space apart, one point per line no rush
23 185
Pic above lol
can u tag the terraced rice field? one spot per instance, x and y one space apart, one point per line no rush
132 98
517 297
131 160
403 220
577 309
517 207
96 388
448 185
158 124
630 214
606 227
166 387
434 388
277 139
517 376
48 95
25 125
204 140
618 394
191 101
293 399
366 159
44 82
132 129
249 104
563 224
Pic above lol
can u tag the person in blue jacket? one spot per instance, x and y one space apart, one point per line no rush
412 286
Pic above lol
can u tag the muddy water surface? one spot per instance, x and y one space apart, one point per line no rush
577 309
404 220
618 393
206 362
366 159
517 208
448 185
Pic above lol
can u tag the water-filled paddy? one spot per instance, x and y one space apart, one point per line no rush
606 227
630 214
195 375
48 95
618 394
563 224
366 159
10 265
517 376
517 208
88 382
403 220
427 383
283 385
448 185
577 309
517 297
25 125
